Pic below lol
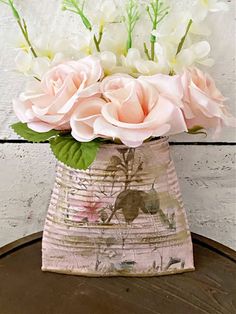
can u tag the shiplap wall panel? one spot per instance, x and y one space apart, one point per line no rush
207 177
46 17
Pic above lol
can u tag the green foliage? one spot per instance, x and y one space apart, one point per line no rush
22 25
65 148
157 11
131 18
77 7
73 153
22 130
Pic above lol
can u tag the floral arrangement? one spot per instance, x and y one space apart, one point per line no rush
129 75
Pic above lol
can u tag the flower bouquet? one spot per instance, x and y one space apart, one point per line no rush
106 99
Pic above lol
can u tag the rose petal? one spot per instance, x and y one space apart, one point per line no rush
130 137
84 117
82 132
110 114
40 127
165 84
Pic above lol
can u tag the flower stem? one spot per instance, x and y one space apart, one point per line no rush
153 41
181 44
156 13
5 2
183 39
98 40
22 25
131 18
75 7
26 36
146 51
129 43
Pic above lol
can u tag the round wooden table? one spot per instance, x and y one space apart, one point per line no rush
25 289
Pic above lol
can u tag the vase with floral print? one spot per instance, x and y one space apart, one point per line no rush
124 216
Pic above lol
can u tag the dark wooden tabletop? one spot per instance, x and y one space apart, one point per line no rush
24 289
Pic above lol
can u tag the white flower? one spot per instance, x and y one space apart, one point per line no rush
29 65
47 46
202 7
110 40
104 12
169 36
114 39
136 65
164 54
195 53
108 61
23 61
173 28
83 42
50 52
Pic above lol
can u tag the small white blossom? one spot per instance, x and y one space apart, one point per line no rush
49 54
202 7
46 46
31 66
196 53
108 61
114 39
136 65
104 12
83 42
174 27
107 38
23 61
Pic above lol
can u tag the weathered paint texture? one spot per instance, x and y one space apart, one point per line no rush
207 176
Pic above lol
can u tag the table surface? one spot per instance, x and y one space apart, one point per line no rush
25 289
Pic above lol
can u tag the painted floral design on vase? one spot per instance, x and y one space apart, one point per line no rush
123 216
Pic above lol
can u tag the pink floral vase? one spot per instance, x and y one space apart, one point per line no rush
124 216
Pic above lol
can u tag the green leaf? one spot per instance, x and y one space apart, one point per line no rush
22 130
197 130
72 153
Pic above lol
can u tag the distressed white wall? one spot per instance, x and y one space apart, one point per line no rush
207 172
207 176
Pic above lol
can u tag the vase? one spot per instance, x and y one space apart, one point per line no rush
124 216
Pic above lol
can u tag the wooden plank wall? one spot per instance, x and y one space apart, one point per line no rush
206 167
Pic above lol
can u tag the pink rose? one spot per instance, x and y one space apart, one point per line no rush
83 118
135 109
203 102
49 104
